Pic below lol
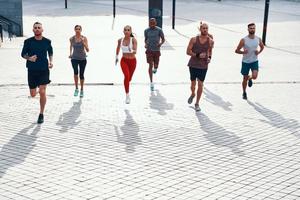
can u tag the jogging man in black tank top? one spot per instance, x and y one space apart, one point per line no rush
200 50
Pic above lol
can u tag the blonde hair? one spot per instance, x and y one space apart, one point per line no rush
129 27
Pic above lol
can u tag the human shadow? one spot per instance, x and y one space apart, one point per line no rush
217 100
130 133
219 136
18 148
68 120
159 103
277 120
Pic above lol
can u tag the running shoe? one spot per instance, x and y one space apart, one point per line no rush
197 108
250 82
245 95
76 92
190 99
152 86
40 119
154 70
81 94
127 100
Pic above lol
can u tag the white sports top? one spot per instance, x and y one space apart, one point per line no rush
126 49
251 45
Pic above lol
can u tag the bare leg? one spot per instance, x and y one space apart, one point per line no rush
33 92
81 84
193 87
199 91
150 72
254 75
43 99
76 81
244 83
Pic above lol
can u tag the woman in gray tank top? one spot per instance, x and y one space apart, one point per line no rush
78 48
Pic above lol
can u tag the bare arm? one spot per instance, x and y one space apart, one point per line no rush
240 46
134 45
85 44
162 36
71 48
118 47
262 46
190 46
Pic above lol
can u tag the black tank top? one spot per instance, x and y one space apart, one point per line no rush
200 63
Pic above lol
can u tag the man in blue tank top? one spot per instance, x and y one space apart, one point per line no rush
249 44
35 51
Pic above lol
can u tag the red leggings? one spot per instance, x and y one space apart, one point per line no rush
128 67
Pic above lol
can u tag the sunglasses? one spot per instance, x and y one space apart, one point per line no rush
126 29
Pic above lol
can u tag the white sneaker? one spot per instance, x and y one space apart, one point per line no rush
127 101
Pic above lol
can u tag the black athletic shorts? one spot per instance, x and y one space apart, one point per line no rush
37 78
196 73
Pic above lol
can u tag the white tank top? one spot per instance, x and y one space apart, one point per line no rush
126 49
251 45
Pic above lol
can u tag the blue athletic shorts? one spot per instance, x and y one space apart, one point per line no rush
247 66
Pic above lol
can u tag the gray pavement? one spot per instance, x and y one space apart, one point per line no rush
157 147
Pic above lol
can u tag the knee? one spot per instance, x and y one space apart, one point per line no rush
32 94
42 92
254 76
81 77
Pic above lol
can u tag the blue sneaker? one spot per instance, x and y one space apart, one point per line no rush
76 92
81 94
152 86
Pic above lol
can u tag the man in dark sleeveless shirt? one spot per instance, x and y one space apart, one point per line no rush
35 51
200 50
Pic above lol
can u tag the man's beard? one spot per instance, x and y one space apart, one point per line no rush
251 32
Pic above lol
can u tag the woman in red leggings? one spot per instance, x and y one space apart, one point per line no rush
128 45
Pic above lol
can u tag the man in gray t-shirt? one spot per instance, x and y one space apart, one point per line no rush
154 38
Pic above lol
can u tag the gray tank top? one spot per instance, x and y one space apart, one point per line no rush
251 45
200 63
78 50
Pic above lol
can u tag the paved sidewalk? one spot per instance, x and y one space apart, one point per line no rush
157 147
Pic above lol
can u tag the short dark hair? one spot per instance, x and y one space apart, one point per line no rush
77 26
35 23
251 24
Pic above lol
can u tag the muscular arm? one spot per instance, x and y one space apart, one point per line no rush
262 46
50 54
162 37
239 47
190 46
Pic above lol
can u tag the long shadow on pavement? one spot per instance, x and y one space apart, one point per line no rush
277 120
130 133
219 136
217 100
17 149
68 120
159 103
